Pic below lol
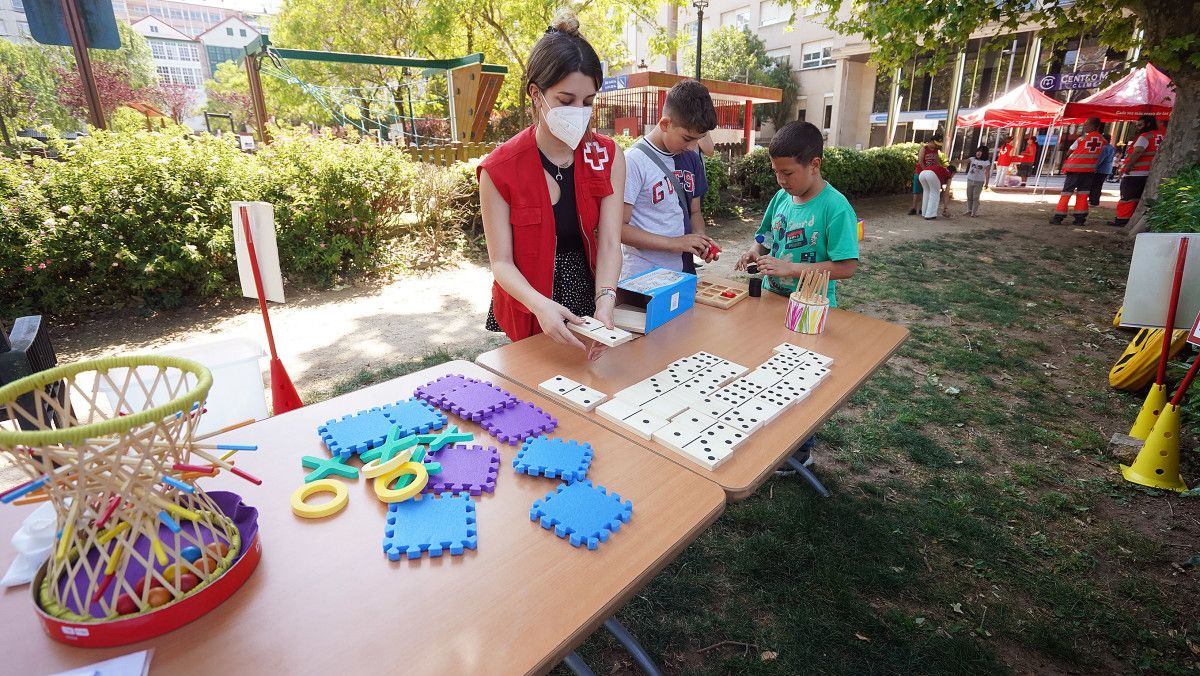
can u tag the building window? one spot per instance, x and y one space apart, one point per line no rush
242 32
157 11
176 14
229 31
828 112
214 18
802 115
739 18
772 12
153 29
689 29
18 6
782 55
816 56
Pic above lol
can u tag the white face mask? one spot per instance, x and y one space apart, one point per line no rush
567 123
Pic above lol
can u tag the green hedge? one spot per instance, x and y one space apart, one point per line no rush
875 171
1177 207
143 218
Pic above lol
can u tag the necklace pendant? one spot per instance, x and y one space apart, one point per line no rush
558 176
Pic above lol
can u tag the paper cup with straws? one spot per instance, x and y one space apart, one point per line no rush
806 317
142 548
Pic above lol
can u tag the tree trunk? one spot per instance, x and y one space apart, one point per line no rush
4 132
1181 145
1165 24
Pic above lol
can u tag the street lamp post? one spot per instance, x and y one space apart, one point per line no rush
699 5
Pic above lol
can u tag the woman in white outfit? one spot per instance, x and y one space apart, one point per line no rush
931 192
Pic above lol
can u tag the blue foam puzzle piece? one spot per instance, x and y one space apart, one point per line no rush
582 513
414 416
369 429
542 456
355 433
433 524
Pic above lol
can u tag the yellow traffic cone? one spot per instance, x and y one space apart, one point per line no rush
1157 464
1156 401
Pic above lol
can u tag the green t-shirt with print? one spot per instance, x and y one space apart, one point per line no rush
821 229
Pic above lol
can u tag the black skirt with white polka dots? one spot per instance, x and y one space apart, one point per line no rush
574 286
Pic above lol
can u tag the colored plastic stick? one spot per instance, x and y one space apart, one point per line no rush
200 469
112 533
1186 383
159 552
27 488
168 522
112 505
171 481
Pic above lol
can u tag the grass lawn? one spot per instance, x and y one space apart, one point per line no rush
978 524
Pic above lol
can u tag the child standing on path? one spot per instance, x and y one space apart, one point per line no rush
979 168
665 186
809 225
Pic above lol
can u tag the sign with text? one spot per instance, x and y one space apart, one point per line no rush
611 84
1194 336
1084 79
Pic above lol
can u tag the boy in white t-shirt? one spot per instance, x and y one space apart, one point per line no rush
658 231
979 168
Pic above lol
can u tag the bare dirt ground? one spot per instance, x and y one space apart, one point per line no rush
325 336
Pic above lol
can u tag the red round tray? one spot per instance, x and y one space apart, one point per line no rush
155 623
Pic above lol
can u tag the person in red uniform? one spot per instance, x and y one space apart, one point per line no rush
1003 160
1028 158
1079 167
1138 158
551 199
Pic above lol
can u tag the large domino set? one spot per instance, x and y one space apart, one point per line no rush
704 406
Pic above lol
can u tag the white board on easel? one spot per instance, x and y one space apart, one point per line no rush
262 228
1151 271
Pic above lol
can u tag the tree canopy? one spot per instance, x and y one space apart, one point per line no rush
737 55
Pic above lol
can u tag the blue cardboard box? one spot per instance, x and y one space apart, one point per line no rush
663 294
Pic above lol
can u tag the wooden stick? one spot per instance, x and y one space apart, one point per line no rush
223 430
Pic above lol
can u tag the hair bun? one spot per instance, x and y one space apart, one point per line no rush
565 22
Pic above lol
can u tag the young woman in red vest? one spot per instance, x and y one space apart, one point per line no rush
551 198
1079 167
1137 168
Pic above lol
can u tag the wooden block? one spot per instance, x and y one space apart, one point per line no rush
643 424
558 385
770 404
665 406
629 318
591 323
727 370
791 392
763 377
713 447
820 358
715 405
746 419
788 348
719 292
640 393
742 386
583 398
684 429
692 391
616 410
707 358
609 337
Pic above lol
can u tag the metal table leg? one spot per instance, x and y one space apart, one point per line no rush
798 465
631 645
577 666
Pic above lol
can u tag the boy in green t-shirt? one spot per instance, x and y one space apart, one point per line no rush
809 225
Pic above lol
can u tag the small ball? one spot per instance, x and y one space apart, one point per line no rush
158 597
217 550
207 564
170 573
126 605
191 553
187 582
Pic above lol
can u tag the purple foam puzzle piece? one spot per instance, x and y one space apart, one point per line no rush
475 400
464 468
433 391
514 425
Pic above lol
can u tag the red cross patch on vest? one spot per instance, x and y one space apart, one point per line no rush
595 155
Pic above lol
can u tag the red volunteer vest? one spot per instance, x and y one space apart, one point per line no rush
1030 153
1147 157
1004 159
516 171
1086 153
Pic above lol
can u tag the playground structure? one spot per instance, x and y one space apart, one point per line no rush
389 111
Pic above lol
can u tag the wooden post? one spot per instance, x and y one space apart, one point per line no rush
464 97
74 23
256 97
748 126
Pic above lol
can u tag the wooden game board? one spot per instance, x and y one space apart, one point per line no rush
715 291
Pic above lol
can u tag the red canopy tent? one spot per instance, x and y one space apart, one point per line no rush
1144 91
1021 107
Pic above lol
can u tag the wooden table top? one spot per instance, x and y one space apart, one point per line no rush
744 334
325 599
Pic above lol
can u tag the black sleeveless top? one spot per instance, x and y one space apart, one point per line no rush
566 216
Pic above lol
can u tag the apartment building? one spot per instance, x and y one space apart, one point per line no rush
178 60
226 41
843 93
14 26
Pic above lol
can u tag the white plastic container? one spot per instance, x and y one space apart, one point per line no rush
237 389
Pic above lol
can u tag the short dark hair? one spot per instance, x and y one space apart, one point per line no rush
560 52
690 106
801 141
1150 121
987 153
1092 123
